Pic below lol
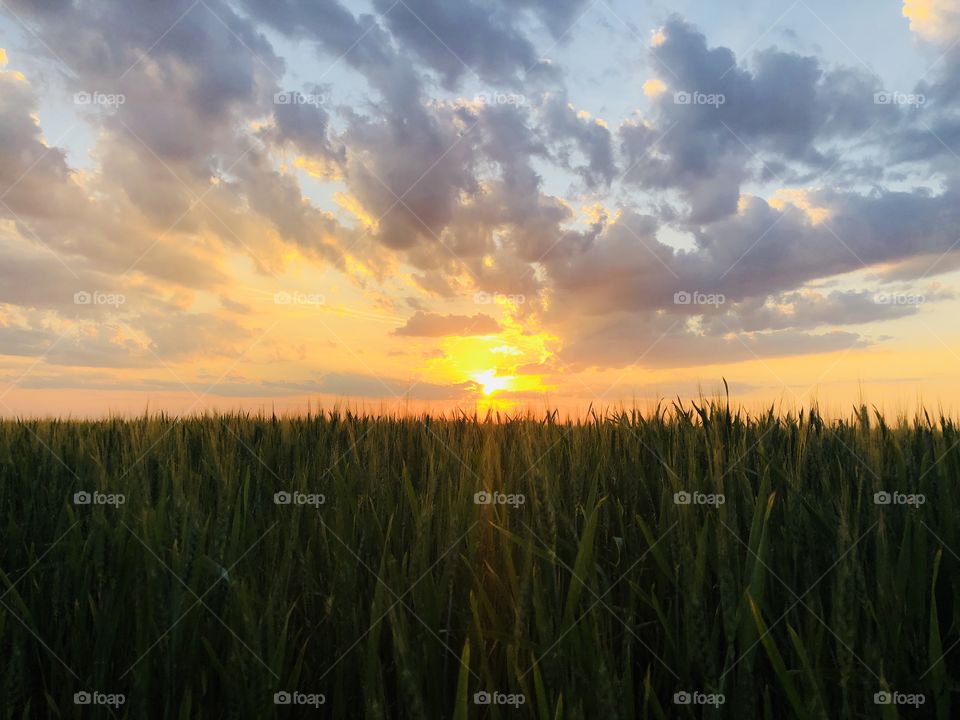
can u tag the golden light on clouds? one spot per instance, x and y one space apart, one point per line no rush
595 213
15 74
800 199
652 88
318 168
355 208
933 19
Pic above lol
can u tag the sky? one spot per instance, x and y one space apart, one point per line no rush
490 204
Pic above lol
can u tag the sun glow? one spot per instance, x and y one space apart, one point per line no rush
491 383
499 369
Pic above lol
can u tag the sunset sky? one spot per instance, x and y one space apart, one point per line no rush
483 203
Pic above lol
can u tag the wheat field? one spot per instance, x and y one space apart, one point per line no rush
691 561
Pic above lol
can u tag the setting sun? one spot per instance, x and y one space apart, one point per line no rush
490 382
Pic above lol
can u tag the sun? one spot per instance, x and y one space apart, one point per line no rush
490 382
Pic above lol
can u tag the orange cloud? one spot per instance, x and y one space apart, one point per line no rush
933 19
652 88
800 199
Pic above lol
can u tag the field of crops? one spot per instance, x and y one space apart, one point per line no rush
690 562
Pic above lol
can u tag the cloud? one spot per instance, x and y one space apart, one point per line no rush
351 385
462 37
590 137
348 385
614 297
657 342
933 19
559 16
808 310
719 122
307 127
431 325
